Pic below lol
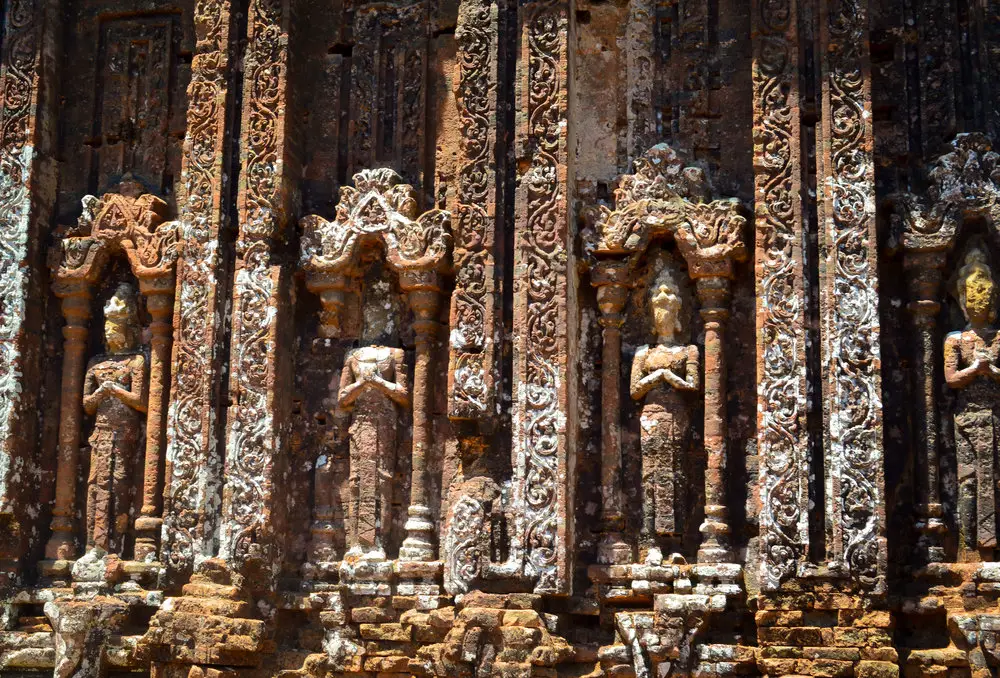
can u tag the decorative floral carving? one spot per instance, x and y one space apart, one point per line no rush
782 434
129 221
466 545
17 158
963 183
540 492
850 302
254 433
193 463
471 379
665 197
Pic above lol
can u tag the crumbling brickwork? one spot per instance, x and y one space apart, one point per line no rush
557 338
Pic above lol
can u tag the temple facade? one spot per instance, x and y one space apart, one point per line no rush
482 338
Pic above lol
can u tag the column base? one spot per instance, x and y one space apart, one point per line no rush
931 529
418 545
715 537
614 550
61 545
147 541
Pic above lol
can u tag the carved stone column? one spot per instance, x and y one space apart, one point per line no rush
160 304
612 282
924 271
423 290
713 293
76 311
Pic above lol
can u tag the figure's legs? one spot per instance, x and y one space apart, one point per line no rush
99 491
386 469
364 448
967 475
651 476
121 490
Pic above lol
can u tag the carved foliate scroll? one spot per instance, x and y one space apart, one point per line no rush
250 533
541 539
849 299
472 365
193 460
21 194
781 314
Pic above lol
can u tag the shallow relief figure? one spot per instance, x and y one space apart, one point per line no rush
662 374
374 388
971 368
115 394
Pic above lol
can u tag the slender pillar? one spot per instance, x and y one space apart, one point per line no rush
193 466
160 304
424 296
76 310
782 427
713 293
924 278
849 316
611 280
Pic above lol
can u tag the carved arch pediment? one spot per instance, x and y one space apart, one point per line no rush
129 222
378 211
964 184
666 198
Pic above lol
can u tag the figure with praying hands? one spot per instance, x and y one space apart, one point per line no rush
115 394
374 389
971 369
663 374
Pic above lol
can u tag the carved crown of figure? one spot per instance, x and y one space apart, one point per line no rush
378 211
666 197
121 314
965 182
974 284
128 221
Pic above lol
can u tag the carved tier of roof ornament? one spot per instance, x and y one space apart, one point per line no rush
666 197
128 221
964 183
378 211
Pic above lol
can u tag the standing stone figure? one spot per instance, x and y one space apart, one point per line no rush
114 393
661 373
970 367
373 386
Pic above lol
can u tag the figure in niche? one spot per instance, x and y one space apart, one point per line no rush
373 387
115 393
970 367
661 376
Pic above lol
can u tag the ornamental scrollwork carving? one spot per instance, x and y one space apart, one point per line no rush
378 209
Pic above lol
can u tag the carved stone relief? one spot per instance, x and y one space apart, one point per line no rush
130 224
379 214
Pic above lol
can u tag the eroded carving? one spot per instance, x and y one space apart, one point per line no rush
373 385
115 394
663 374
971 368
